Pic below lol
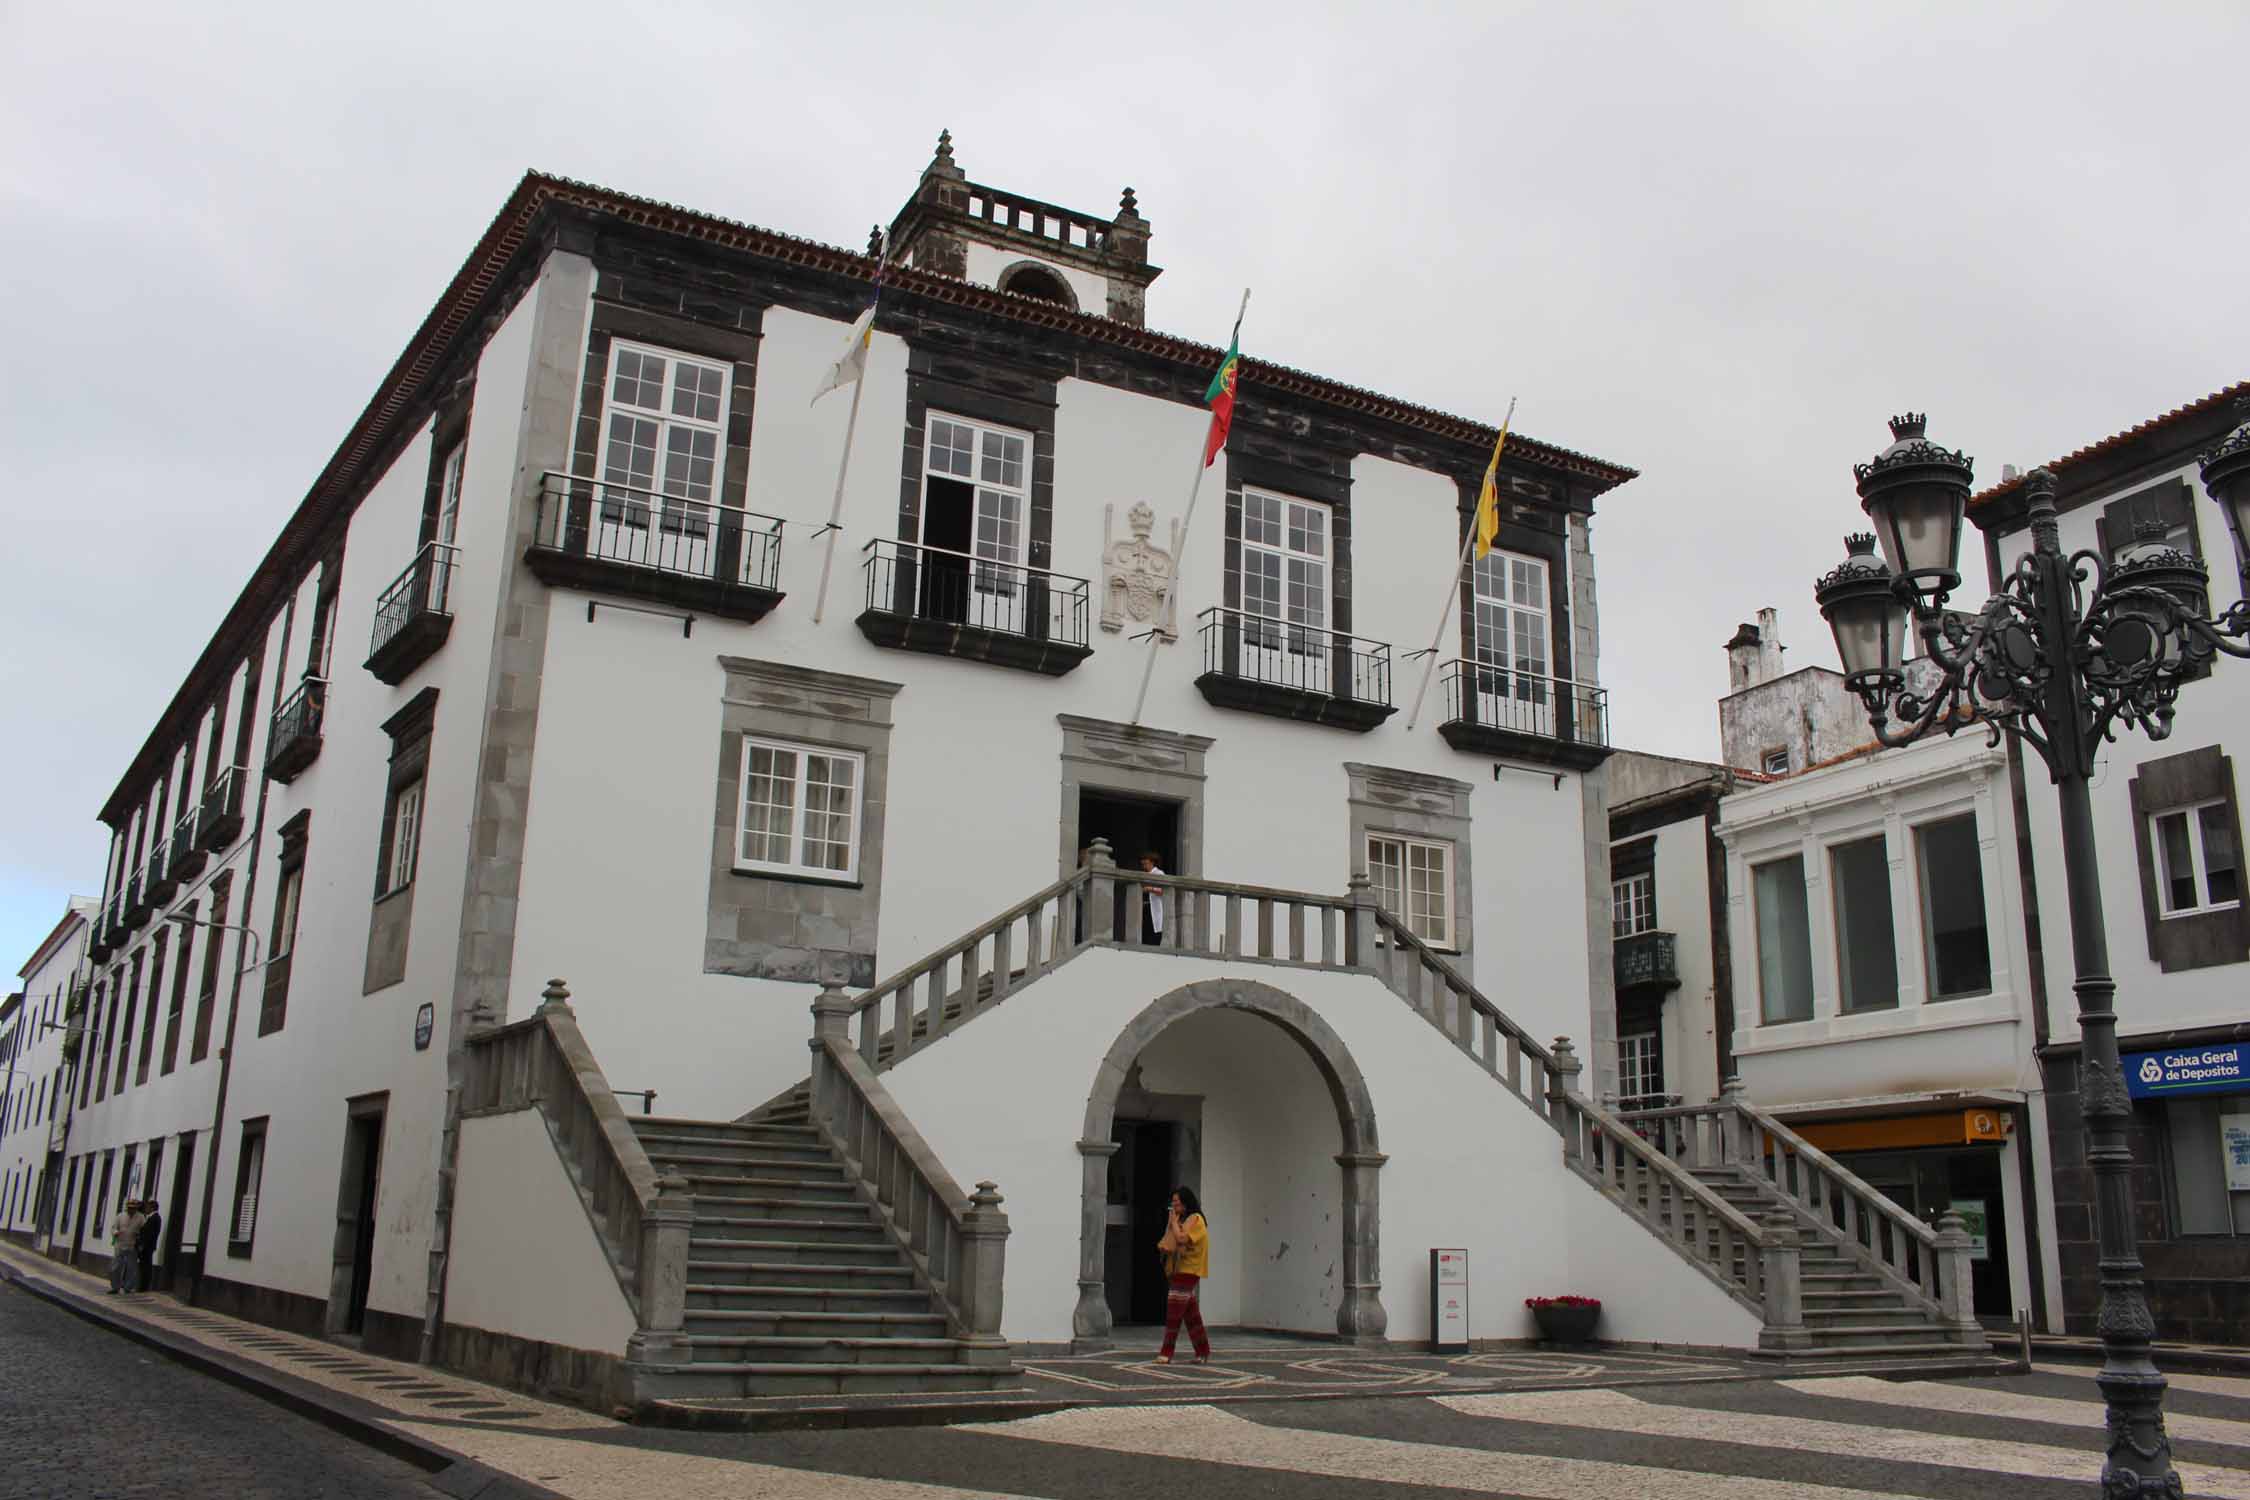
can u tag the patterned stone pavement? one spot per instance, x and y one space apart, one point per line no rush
1278 1420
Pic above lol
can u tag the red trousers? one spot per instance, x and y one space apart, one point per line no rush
1181 1305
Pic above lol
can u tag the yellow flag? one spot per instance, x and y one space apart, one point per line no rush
1488 499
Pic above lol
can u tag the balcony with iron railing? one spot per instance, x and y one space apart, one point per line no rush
136 907
162 885
294 741
949 603
1551 721
1267 666
188 856
689 554
414 615
1646 958
218 822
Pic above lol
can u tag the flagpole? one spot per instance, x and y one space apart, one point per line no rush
1453 586
1187 534
836 507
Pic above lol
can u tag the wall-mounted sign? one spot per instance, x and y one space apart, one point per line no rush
1449 1299
1972 1212
2234 1150
425 1022
2216 1069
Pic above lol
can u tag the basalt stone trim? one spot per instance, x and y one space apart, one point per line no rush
803 931
1103 756
1360 1317
1415 804
557 1372
292 1312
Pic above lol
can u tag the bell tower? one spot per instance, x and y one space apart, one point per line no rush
955 227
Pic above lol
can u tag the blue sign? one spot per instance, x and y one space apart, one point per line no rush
2219 1069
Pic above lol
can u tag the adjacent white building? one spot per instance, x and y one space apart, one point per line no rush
36 1053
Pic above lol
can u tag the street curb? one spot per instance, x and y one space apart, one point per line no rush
2203 1361
361 1421
681 1417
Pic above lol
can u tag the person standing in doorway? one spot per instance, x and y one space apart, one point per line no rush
1186 1246
124 1246
1152 902
152 1232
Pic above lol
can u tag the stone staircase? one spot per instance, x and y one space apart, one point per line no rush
795 1286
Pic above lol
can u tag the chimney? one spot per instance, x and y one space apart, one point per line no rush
1769 645
1754 655
2008 472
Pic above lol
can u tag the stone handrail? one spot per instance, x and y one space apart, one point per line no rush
1421 977
641 1220
1736 1133
958 1242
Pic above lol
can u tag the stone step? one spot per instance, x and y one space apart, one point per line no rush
759 1322
804 1298
742 1246
721 1229
752 1349
716 1161
1918 1349
733 1133
681 1125
1858 1313
712 1379
776 1208
1868 1333
730 1189
811 1271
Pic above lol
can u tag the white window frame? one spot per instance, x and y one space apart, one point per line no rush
283 940
795 866
684 506
1442 937
1775 762
1001 509
2199 866
1640 1064
242 1227
405 836
1632 905
1502 622
1303 572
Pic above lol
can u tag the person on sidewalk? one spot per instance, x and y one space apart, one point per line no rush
151 1236
1187 1260
124 1243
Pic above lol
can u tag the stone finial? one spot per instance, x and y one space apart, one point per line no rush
942 164
1732 1089
987 1195
1128 206
875 240
1102 854
1780 1225
1361 888
1567 1065
556 996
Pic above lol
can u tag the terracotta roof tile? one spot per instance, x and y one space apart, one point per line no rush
2150 428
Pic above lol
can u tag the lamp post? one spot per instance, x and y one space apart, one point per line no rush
2070 649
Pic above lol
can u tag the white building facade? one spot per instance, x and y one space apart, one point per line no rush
35 1027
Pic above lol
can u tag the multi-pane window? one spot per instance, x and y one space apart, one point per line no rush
2198 867
800 810
284 940
1632 905
661 449
994 462
1285 553
1866 941
1510 640
402 837
1956 951
1413 880
1784 940
249 1175
1640 1066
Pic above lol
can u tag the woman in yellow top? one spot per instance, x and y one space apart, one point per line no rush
1187 1260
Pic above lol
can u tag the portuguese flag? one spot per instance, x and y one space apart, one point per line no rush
1220 397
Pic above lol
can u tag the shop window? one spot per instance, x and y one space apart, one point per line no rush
1784 940
1956 949
1866 940
2209 1149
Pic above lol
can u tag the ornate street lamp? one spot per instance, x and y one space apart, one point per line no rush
2068 650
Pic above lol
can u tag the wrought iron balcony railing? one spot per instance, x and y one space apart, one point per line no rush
136 904
1497 710
187 854
953 604
1270 666
1646 958
294 741
161 883
218 822
414 615
699 556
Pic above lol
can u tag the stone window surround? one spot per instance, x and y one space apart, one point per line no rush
1550 545
449 429
1903 804
273 1001
1306 475
980 390
1104 756
252 1132
2192 940
798 929
736 349
391 918
1415 804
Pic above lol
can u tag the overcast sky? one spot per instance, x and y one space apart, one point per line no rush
1718 243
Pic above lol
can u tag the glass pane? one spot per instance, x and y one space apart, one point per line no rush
1261 520
1308 530
2175 863
769 798
639 382
696 395
1003 460
952 447
2222 863
1428 894
829 781
1784 940
1866 944
1956 954
1386 869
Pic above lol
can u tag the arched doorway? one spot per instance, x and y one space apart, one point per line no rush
1350 1199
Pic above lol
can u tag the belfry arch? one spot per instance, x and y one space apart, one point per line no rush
1359 1313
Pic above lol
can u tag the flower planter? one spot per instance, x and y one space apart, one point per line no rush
1560 1324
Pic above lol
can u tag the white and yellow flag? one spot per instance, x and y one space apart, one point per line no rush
852 363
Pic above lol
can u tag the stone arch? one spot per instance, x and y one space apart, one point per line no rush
1359 1316
1031 278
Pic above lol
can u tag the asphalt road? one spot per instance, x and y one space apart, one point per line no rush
85 1413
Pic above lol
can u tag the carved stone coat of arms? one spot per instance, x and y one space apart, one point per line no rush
1138 577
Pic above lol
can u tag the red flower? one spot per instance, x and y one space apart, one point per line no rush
1566 1300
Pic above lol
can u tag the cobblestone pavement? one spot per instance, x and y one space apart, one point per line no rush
1630 1432
86 1414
